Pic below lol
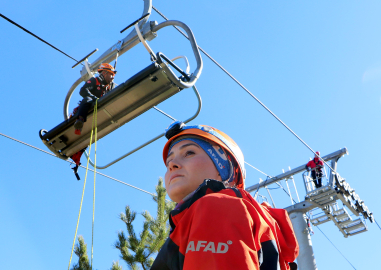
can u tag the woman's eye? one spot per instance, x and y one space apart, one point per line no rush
189 153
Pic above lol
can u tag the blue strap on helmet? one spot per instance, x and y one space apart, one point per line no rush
216 154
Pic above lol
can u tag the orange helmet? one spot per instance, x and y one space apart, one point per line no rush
106 66
178 129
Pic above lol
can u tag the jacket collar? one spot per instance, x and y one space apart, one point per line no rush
208 186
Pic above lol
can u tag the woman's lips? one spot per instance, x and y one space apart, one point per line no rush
174 176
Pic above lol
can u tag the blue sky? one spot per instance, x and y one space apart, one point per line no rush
316 64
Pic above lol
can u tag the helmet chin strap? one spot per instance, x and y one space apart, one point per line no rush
102 78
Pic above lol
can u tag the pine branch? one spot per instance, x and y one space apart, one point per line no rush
144 234
128 218
138 251
116 266
123 245
81 251
158 241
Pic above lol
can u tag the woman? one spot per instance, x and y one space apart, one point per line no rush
216 224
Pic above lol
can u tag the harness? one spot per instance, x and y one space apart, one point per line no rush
318 168
106 88
77 156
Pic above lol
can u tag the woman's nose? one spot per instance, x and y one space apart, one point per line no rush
173 164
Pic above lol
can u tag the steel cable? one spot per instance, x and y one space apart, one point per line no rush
114 179
19 26
243 87
377 224
336 248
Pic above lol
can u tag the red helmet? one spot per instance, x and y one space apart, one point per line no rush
178 129
317 153
107 67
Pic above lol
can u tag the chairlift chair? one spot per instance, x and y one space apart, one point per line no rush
149 87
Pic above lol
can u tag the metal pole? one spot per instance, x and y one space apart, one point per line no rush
271 197
331 174
289 191
297 194
306 259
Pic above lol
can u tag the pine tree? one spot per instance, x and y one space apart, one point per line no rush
83 260
133 250
138 251
81 251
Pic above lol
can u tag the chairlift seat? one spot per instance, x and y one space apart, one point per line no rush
130 99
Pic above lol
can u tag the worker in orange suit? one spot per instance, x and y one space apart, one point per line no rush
216 224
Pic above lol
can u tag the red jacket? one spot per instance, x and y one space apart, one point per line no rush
316 162
225 228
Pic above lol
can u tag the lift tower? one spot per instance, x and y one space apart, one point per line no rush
326 199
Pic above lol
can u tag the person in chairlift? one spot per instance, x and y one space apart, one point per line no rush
216 224
93 89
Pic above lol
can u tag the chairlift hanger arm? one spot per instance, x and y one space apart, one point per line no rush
143 31
129 41
148 31
114 51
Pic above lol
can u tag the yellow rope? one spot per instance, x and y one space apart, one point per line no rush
84 185
95 169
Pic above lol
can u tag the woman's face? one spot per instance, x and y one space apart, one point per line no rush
187 167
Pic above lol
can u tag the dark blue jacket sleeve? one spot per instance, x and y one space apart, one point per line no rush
87 88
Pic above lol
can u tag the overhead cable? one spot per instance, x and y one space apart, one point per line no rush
377 224
269 177
336 248
152 194
243 87
167 115
19 26
256 168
